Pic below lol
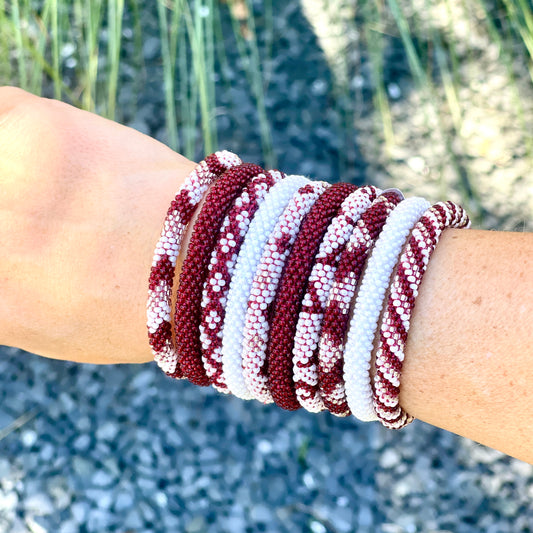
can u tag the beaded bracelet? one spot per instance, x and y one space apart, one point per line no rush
293 284
188 304
248 259
179 214
337 314
369 303
283 286
396 320
221 268
309 326
265 288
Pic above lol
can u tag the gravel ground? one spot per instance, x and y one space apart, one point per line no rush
123 448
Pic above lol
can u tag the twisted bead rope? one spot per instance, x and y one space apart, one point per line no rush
369 303
221 269
195 268
265 288
248 259
287 304
401 303
309 326
179 214
337 315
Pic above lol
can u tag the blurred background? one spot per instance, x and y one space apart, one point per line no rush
432 96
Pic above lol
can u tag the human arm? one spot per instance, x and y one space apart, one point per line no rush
82 201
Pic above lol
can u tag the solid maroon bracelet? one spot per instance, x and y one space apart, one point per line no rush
336 317
292 288
221 267
206 230
179 214
396 319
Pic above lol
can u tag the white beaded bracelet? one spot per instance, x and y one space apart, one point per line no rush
369 303
265 286
248 259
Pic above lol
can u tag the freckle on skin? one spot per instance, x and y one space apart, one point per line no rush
477 301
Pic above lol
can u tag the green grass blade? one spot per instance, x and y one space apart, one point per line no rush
115 13
21 53
56 43
249 53
170 107
36 78
188 97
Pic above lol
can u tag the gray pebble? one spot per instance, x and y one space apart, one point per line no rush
8 501
365 517
69 526
80 511
38 504
123 501
28 438
260 513
389 458
82 467
107 431
133 521
102 498
317 527
82 443
99 520
101 478
5 468
151 48
235 524
196 525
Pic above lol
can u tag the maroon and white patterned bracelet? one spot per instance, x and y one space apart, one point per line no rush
221 267
179 214
305 363
265 287
291 290
401 302
195 268
336 317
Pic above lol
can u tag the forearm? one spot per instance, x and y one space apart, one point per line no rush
469 353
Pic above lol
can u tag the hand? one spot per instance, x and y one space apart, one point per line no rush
82 202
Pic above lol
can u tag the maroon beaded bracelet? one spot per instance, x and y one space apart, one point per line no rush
400 305
221 267
206 230
179 214
291 291
336 317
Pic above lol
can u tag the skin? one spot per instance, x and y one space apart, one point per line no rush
82 202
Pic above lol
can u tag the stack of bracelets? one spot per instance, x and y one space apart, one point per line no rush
287 282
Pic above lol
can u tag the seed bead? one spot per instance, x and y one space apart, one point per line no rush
265 289
369 303
220 272
179 214
292 286
248 259
400 305
309 326
188 313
